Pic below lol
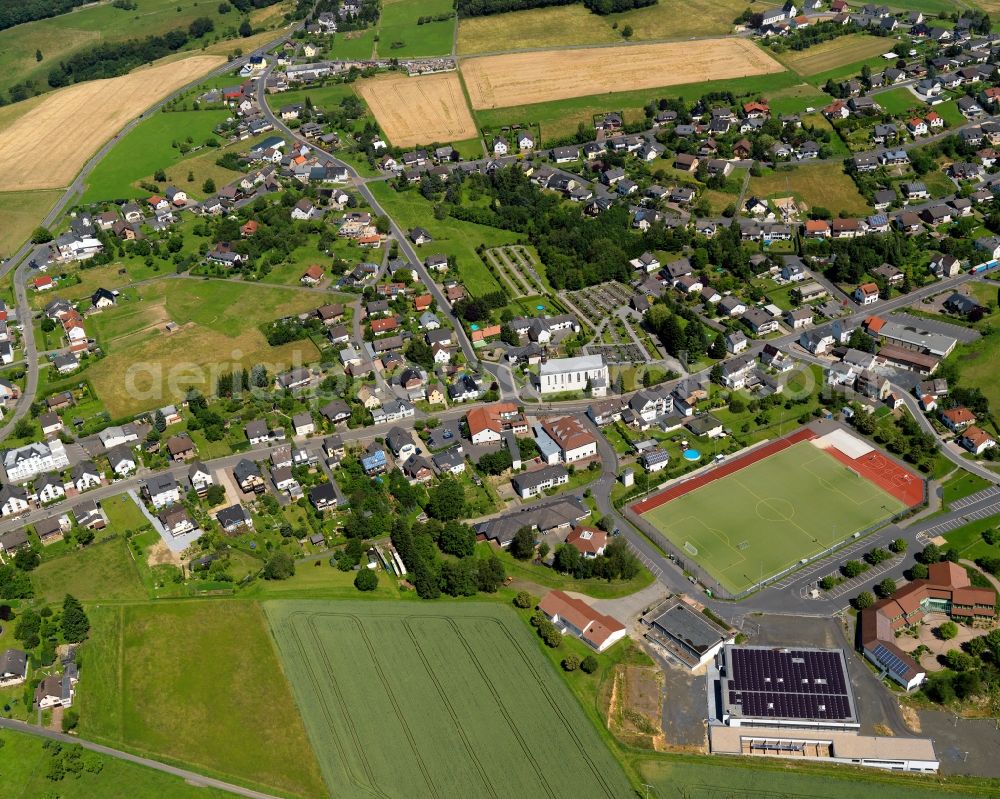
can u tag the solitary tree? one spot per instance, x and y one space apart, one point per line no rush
246 29
886 588
947 631
366 580
208 186
898 545
41 235
522 546
589 664
75 624
159 421
279 567
864 600
522 600
38 55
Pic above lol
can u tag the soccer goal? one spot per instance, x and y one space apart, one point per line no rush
690 548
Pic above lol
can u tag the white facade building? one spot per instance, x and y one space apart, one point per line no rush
574 374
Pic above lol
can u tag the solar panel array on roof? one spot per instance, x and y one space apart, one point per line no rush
789 684
892 661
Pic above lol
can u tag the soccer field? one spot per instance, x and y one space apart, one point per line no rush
450 700
764 518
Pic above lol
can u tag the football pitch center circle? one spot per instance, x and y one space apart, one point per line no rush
775 509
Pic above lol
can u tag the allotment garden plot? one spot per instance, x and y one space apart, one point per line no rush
517 269
449 700
759 515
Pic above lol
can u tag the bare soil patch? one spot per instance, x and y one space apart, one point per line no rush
46 147
634 706
420 110
524 78
160 555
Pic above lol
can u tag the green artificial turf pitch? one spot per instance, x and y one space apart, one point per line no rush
764 518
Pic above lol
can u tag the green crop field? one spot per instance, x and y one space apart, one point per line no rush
765 517
454 700
398 25
451 236
198 683
24 763
834 53
102 570
559 118
148 147
217 324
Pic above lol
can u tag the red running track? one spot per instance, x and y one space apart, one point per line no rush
907 487
724 469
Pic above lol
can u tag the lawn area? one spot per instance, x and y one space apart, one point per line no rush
938 184
796 99
968 539
100 571
354 45
398 24
962 484
694 777
186 682
20 213
218 324
543 575
817 185
834 53
451 236
26 763
394 696
949 112
977 364
562 26
762 519
146 148
900 101
320 582
560 118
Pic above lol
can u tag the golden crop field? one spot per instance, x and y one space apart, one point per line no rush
46 147
524 78
420 110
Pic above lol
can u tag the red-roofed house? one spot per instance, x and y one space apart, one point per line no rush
249 228
917 127
957 419
384 325
487 424
933 120
755 110
873 324
589 541
484 333
577 617
313 275
817 229
575 442
976 440
866 293
423 302
43 283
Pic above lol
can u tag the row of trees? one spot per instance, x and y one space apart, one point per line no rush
482 8
116 58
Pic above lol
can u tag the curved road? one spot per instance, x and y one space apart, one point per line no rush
191 777
20 258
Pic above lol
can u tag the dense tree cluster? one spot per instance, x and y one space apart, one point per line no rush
116 58
617 562
481 8
17 12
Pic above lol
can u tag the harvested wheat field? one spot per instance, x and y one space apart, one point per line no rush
70 124
421 110
524 78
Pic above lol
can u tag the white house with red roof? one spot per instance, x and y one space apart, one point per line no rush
588 541
575 616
